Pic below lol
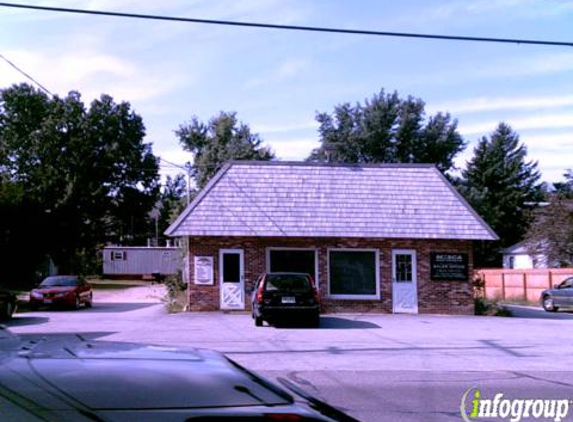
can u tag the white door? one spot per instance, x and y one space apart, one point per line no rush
232 279
404 282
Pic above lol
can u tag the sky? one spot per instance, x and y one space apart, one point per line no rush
277 81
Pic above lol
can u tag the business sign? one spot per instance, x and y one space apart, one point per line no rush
203 270
449 266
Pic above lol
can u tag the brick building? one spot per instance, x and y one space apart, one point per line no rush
376 238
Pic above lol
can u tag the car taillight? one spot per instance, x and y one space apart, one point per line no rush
260 293
315 292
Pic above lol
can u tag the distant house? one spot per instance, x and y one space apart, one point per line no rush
518 257
140 262
381 238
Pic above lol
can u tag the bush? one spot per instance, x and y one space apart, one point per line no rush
489 308
176 293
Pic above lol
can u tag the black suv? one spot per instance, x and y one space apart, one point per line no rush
285 297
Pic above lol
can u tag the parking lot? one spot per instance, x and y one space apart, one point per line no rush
376 367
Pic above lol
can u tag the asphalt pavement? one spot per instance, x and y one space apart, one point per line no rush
376 367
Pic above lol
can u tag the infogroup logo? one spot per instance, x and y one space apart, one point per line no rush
474 406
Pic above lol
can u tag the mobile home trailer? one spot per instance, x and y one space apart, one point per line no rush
140 261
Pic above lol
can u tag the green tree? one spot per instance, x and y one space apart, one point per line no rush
565 189
551 232
224 138
85 171
172 202
387 129
503 188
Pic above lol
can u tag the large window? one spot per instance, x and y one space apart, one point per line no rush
292 260
353 274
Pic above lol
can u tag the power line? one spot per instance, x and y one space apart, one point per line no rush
181 166
290 27
42 87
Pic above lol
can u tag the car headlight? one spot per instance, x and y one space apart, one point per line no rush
36 295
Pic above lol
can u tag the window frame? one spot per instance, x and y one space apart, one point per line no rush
376 296
118 255
315 276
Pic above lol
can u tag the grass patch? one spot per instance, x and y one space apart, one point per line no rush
104 281
105 284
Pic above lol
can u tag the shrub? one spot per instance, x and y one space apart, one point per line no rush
176 293
489 308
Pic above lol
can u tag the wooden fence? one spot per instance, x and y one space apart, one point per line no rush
526 285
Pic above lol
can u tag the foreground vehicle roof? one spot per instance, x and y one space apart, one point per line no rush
66 378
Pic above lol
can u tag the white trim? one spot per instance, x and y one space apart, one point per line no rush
241 276
413 254
268 250
376 296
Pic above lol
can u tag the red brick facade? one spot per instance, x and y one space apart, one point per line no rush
446 297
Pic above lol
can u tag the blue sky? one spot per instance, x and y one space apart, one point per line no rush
278 80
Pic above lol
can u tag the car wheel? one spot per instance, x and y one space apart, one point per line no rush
10 310
90 300
78 302
549 305
258 321
6 312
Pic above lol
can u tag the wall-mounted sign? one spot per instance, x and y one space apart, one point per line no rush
203 270
449 266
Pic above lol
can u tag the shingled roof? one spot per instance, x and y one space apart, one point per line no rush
294 199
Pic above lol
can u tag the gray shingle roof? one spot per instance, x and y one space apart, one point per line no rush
330 200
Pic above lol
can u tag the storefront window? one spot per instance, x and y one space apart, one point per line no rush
353 274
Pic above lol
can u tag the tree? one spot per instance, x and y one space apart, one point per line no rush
503 188
565 189
172 202
551 232
387 129
224 138
86 173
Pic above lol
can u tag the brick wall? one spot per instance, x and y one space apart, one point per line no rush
447 297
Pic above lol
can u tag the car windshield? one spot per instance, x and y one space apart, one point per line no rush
288 282
59 281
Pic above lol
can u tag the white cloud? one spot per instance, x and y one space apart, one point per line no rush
294 149
284 127
93 74
555 121
473 13
480 104
288 69
175 157
507 68
81 68
555 142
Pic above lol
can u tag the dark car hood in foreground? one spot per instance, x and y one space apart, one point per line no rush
72 379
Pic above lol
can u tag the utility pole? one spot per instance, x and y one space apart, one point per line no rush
188 169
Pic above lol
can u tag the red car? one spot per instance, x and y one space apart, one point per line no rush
62 290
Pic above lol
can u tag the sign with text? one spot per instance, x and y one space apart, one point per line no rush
449 266
204 270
